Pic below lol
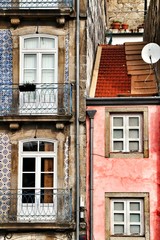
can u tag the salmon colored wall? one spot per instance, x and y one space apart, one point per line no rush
125 175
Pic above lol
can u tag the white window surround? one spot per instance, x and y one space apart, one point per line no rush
38 194
126 198
140 111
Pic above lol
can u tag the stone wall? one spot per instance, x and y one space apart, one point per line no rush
96 26
126 11
152 22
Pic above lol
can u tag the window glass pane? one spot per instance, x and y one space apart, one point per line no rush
28 164
47 196
48 65
29 68
118 217
30 146
28 180
29 76
28 196
134 217
118 206
29 61
118 229
117 133
47 43
46 180
135 206
117 121
48 76
134 146
134 229
133 133
31 43
46 146
118 146
47 165
133 121
48 61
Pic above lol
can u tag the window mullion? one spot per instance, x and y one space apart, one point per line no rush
39 67
126 134
125 217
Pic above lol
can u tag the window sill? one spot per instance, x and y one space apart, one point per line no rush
43 226
126 155
34 118
127 238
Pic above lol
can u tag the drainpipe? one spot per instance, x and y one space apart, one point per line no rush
91 114
77 123
145 8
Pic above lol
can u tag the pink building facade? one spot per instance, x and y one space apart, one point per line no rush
126 183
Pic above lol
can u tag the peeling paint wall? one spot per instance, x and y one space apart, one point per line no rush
125 175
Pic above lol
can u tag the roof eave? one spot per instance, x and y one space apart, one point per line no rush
117 101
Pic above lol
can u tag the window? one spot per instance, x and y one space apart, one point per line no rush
127 216
126 132
37 180
39 65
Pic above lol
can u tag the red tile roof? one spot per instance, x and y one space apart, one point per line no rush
112 76
120 71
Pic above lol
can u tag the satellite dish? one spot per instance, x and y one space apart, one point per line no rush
151 53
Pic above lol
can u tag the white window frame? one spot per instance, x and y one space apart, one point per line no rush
44 101
38 52
126 213
144 150
123 196
125 128
38 155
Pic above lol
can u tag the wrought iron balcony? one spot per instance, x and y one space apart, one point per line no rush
46 99
35 4
35 206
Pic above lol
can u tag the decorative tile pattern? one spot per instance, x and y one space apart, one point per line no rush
6 57
6 69
5 174
66 163
67 59
66 71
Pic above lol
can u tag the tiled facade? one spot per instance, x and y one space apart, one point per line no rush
5 172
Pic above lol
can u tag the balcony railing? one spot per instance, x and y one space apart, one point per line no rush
47 205
35 4
47 99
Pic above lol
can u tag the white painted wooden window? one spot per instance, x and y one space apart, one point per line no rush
38 58
39 65
127 217
126 132
37 180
